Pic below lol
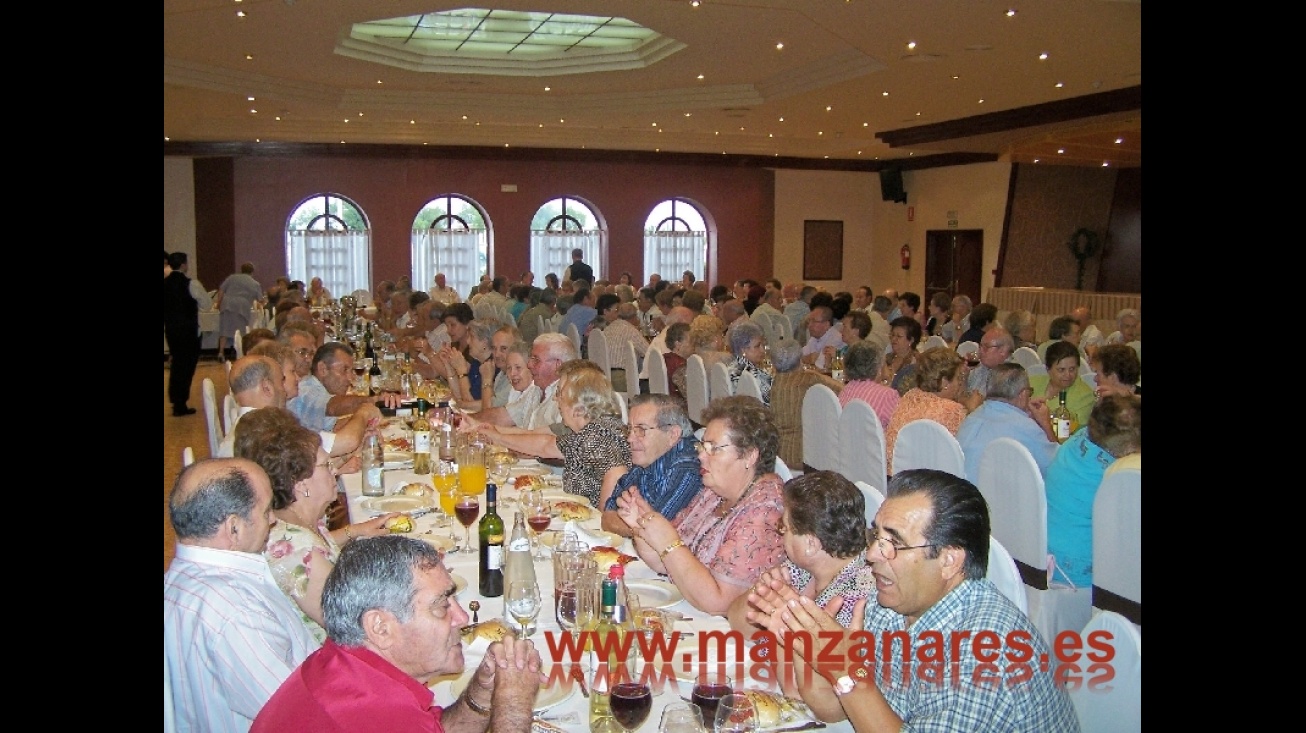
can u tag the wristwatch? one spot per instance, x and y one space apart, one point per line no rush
846 683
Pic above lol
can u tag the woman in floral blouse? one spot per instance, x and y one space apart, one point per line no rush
300 550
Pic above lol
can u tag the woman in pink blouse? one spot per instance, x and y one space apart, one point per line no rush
861 368
940 380
720 544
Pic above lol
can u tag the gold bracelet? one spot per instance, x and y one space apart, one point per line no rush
475 706
643 520
670 547
349 532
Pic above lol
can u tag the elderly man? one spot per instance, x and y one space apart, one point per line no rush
821 334
1008 411
324 394
798 298
666 471
549 352
731 311
995 348
934 606
960 321
230 636
1127 322
771 304
394 624
442 293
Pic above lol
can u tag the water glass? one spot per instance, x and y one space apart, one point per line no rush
735 714
523 603
681 717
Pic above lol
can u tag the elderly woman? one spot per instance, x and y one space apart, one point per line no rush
861 368
1127 322
1062 361
1020 324
300 551
788 388
523 392
748 344
940 382
471 368
719 545
676 357
900 362
706 334
1118 370
825 550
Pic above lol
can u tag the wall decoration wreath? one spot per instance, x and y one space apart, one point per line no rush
1084 244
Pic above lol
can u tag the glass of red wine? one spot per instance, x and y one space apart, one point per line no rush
467 510
631 703
708 690
537 516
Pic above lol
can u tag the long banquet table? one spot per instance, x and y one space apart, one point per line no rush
465 565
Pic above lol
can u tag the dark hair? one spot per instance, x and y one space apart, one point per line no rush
911 325
882 305
913 300
982 315
417 297
693 300
960 517
750 424
942 301
860 322
821 298
1116 424
579 295
1119 360
328 354
606 301
273 438
176 260
823 503
675 333
204 508
718 292
841 305
1059 350
1060 327
461 311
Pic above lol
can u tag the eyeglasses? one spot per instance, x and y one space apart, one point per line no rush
640 430
306 353
707 446
329 465
887 548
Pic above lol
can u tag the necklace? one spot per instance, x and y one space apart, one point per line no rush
720 514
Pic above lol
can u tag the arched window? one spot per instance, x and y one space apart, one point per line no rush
450 235
561 225
328 237
675 240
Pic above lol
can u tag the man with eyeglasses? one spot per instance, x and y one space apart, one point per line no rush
548 352
666 469
972 660
823 338
994 348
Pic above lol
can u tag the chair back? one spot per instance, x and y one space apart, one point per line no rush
967 347
861 445
541 325
1026 357
821 412
658 380
776 328
212 416
748 385
1117 706
925 443
873 498
625 411
1137 346
630 362
230 413
1118 544
1037 370
935 341
598 352
574 334
782 469
695 388
718 381
238 342
1005 575
187 456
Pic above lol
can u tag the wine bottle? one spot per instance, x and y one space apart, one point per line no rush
368 351
836 365
607 671
1062 420
491 534
621 606
422 439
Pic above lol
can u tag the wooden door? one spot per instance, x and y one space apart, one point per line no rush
953 263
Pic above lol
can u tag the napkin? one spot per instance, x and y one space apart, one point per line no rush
586 537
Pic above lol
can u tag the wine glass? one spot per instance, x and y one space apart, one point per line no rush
681 717
735 714
467 509
710 688
631 703
536 508
523 602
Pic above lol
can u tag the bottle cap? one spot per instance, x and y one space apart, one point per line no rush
617 570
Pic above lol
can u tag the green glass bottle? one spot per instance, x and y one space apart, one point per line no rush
491 534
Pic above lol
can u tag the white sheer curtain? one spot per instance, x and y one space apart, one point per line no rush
456 254
343 259
671 253
551 251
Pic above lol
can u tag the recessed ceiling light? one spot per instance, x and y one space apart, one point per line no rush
980 102
258 140
1119 140
464 117
828 108
689 114
1059 85
1061 151
253 111
866 124
700 76
820 132
955 77
249 57
654 124
240 13
884 94
548 89
695 3
1011 13
277 118
378 81
412 122
1106 164
911 45
249 99
346 120
541 124
561 121
770 134
782 119
505 145
1043 56
1036 160
718 132
779 46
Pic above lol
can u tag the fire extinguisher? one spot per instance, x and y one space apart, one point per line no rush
905 253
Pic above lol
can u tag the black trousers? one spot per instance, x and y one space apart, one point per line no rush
184 355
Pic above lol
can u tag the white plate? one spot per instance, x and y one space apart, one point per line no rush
459 583
548 696
655 593
400 503
439 540
397 459
550 539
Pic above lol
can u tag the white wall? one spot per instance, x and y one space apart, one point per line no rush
179 208
826 195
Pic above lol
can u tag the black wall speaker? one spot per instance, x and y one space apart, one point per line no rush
891 185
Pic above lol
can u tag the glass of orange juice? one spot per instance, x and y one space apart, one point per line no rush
471 469
444 479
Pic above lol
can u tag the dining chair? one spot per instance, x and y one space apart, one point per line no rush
211 415
238 341
1037 370
861 445
820 412
934 341
1118 544
574 335
187 456
1026 357
1117 706
695 388
925 443
718 382
658 380
966 348
230 413
871 497
631 364
782 470
598 352
1006 576
1137 346
622 405
748 385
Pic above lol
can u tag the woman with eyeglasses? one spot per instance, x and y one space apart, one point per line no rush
300 550
824 544
719 545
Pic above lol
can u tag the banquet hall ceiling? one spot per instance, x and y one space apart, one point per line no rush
814 80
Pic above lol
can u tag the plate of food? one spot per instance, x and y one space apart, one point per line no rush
655 593
397 503
397 459
777 712
399 444
572 510
439 541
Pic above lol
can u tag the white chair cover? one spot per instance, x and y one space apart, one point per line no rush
1026 357
625 411
821 412
873 498
861 444
364 297
1036 370
230 413
238 342
1084 367
748 385
630 363
718 382
935 341
1137 346
187 456
1119 708
1118 544
658 380
777 329
598 352
544 326
927 444
574 335
967 347
1004 574
782 469
695 387
212 416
